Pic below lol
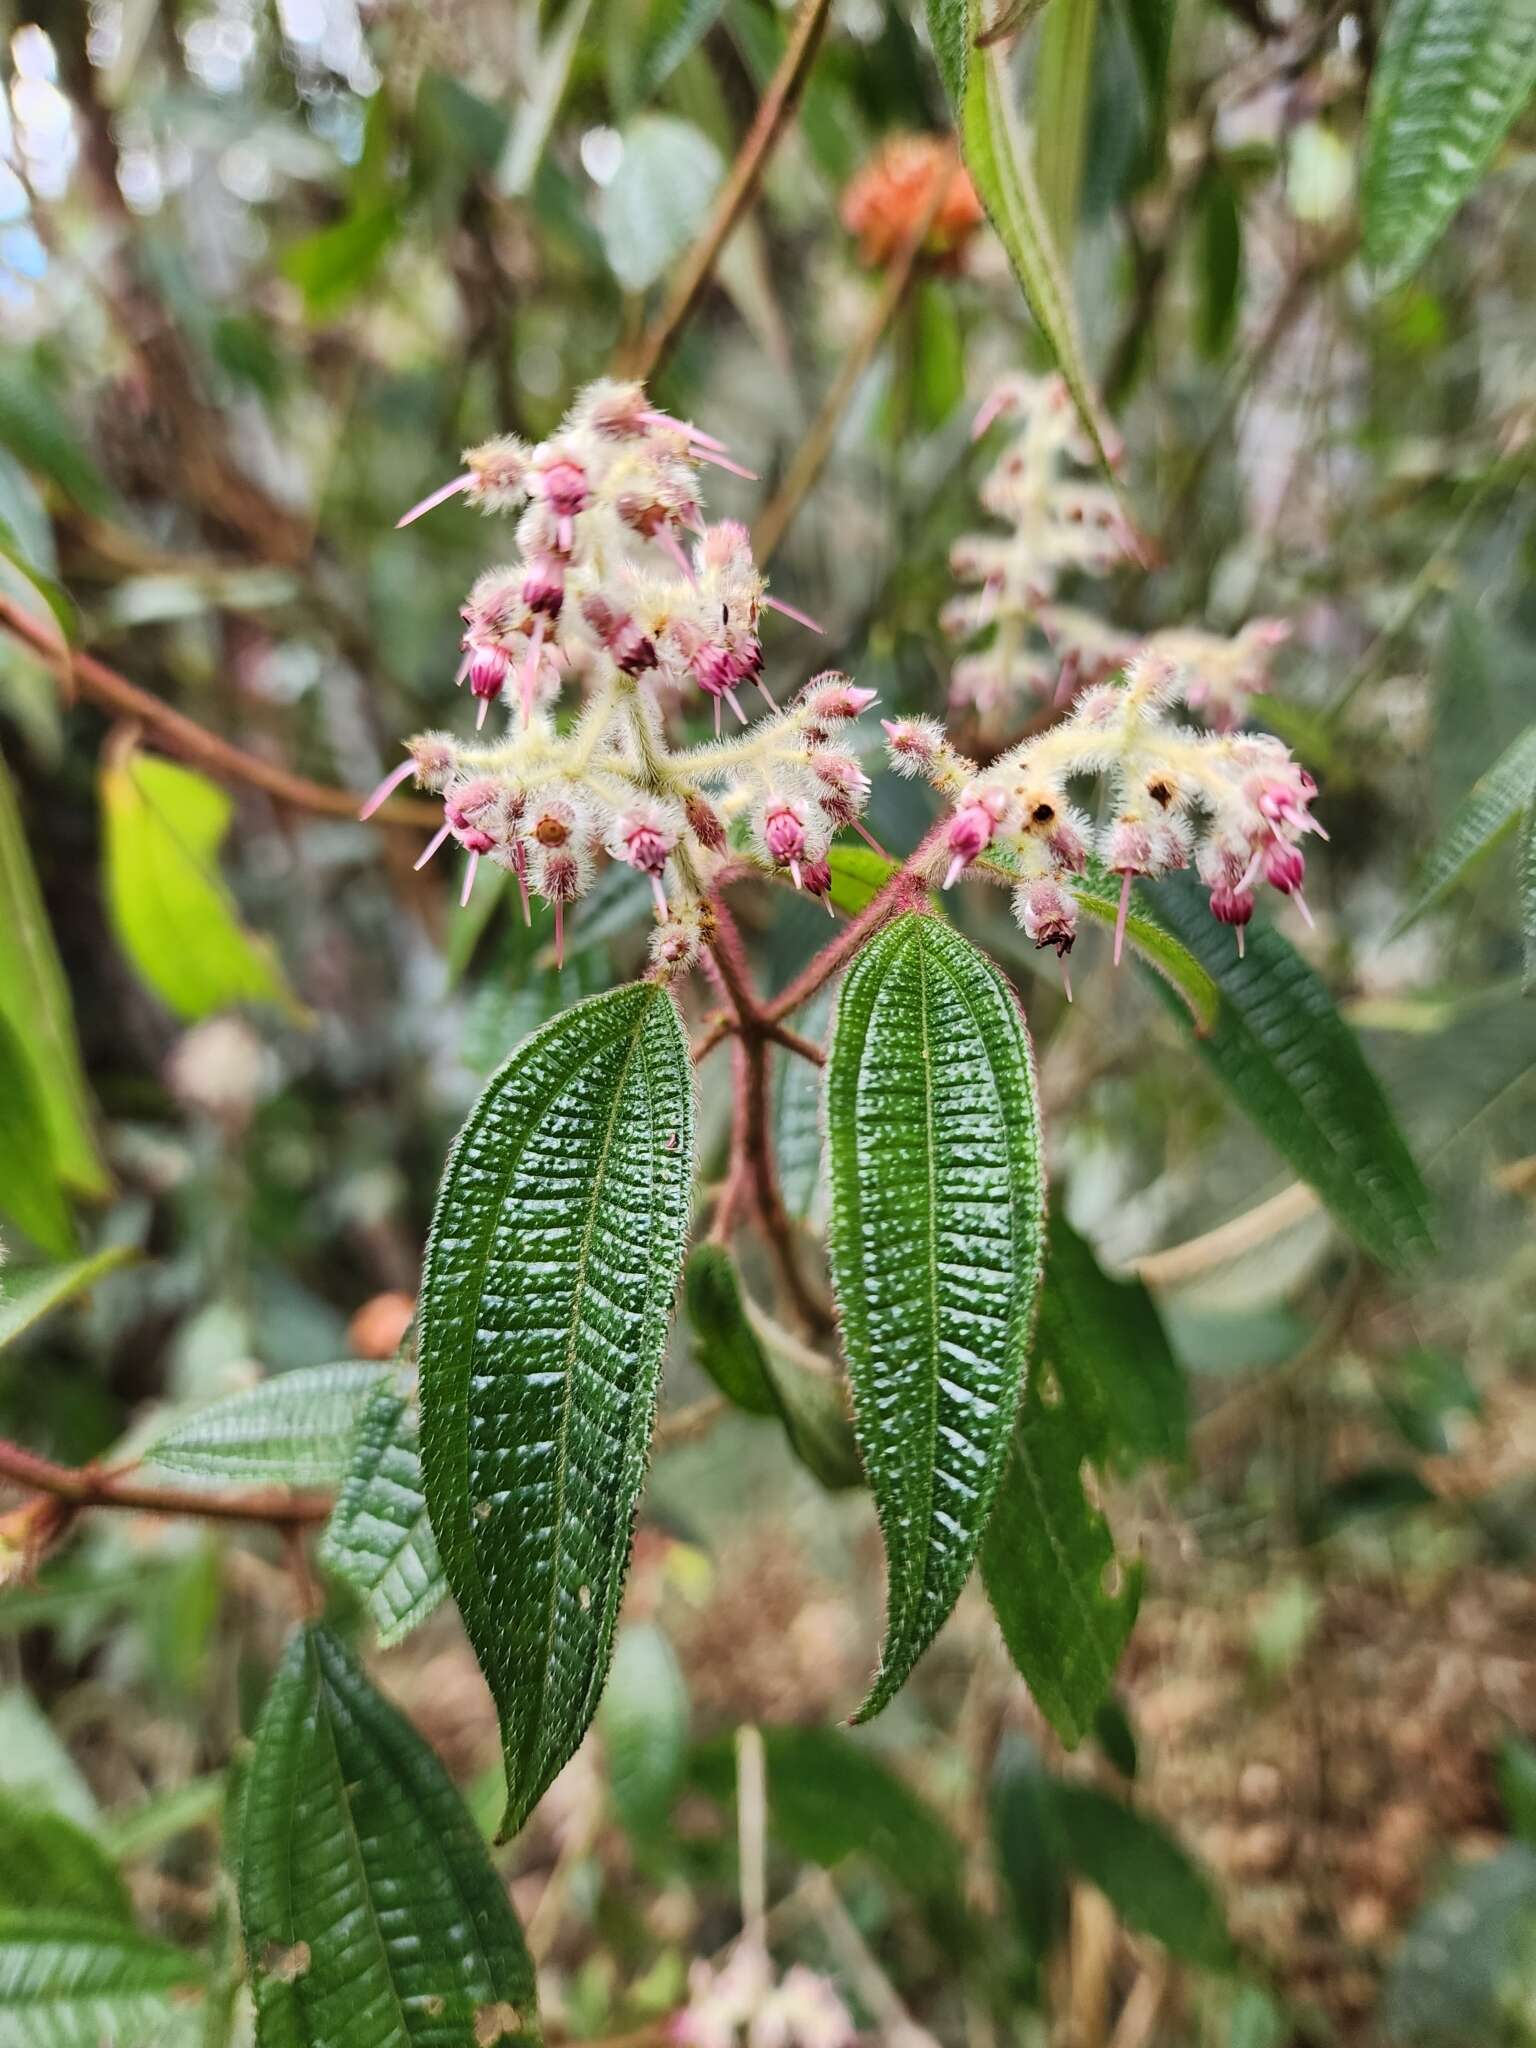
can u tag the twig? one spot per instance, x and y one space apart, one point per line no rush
1229 1240
813 451
752 1834
778 103
98 1486
193 742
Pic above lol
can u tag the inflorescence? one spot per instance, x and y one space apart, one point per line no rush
621 587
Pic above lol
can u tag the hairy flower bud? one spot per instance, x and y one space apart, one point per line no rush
703 823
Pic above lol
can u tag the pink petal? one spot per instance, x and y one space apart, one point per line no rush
790 611
460 483
724 462
469 879
433 844
388 786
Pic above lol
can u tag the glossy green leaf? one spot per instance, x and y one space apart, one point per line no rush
1449 78
171 911
652 209
1048 1558
550 1274
295 1428
981 91
643 1721
936 1243
34 998
858 876
1490 809
379 1538
47 1860
1108 1340
30 1191
29 1293
371 1910
1296 1070
1149 1879
73 1980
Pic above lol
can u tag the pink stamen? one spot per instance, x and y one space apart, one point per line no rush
988 414
484 706
660 895
1249 873
794 869
531 668
869 838
724 462
520 869
717 718
1066 979
667 542
433 844
1300 902
460 483
464 668
388 786
767 698
777 604
730 698
956 869
1120 914
565 531
469 879
1241 946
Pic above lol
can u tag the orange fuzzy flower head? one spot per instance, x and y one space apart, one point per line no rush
895 189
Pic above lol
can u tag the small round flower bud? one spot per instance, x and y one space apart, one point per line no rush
544 587
1129 848
912 743
703 823
487 671
1232 906
675 945
564 488
784 832
1285 866
970 831
831 699
816 878
474 813
1047 913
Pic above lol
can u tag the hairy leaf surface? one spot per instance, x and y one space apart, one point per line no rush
74 1980
295 1428
936 1243
1296 1069
550 1275
379 1538
1490 808
370 1907
1450 77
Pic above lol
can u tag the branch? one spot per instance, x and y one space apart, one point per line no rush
193 742
736 194
98 1486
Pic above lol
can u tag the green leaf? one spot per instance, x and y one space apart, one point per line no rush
644 1725
294 1428
1026 1851
34 999
550 1274
1150 23
650 211
936 1242
47 1860
1109 1342
1219 262
1063 88
371 1910
1517 1786
379 1538
1528 897
981 93
1489 810
30 1194
332 265
796 1111
1449 78
172 913
726 1345
47 587
1466 1968
672 29
36 432
1048 1551
1097 894
29 1293
1296 1070
1151 1882
858 876
71 1980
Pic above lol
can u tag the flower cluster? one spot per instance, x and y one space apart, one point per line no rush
1032 647
741 2000
909 179
1233 805
621 586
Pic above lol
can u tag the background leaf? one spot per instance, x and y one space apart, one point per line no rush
643 1721
549 1281
936 1244
71 1980
1107 1338
379 1538
28 1293
294 1428
656 202
370 1908
176 920
1296 1070
1489 810
1450 77
30 1192
48 1860
1145 1874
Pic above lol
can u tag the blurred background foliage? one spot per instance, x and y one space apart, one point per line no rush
265 266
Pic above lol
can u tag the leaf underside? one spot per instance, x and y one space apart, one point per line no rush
936 1242
549 1281
77 1980
371 1910
294 1429
379 1538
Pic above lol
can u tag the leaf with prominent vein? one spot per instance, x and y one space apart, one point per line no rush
1449 78
46 1859
1490 809
295 1428
548 1287
371 1910
1296 1070
29 1293
75 1980
379 1538
937 1236
1098 894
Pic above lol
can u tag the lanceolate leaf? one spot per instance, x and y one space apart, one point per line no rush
672 29
176 920
936 1243
1049 1553
28 1293
30 1194
371 1910
76 1980
1489 810
1108 1342
1296 1069
549 1280
1450 77
295 1428
643 1722
379 1538
47 1860
35 1000
1147 1877
1098 896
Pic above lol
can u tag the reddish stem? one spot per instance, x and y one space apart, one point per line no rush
99 1486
